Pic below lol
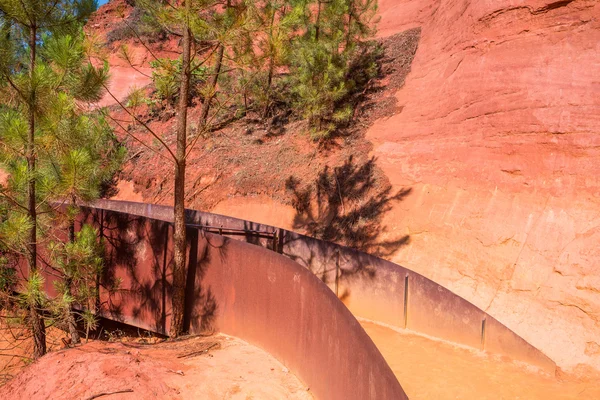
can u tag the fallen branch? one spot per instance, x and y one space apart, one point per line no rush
196 353
109 393
178 372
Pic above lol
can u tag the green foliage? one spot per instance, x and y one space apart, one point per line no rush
80 263
52 146
76 152
80 259
90 321
318 82
8 277
32 294
136 98
165 76
310 56
321 63
14 230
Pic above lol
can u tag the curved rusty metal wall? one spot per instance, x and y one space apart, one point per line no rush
375 289
243 290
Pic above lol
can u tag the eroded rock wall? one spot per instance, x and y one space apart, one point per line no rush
497 135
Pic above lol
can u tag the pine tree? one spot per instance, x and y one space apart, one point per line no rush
228 33
85 154
197 22
41 55
320 74
80 262
179 234
272 39
183 20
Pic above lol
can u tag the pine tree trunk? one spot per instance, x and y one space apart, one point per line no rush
179 235
71 320
349 32
318 22
269 82
31 201
271 66
75 339
213 86
37 321
39 332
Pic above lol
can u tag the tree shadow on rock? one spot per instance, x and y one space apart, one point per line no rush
346 205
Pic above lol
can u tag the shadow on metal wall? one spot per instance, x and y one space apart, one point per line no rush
243 290
372 288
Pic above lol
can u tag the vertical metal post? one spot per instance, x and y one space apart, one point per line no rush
275 241
405 301
483 333
280 244
337 270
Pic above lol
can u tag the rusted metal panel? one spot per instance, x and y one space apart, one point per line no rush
373 288
498 339
246 291
135 288
435 311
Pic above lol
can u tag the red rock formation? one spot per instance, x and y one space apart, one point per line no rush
498 137
125 75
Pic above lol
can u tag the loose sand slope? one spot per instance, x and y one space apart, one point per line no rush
229 369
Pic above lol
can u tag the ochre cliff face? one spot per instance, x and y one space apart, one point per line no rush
498 135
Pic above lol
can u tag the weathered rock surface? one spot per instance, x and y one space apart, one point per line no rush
498 138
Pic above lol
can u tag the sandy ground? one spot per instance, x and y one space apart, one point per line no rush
217 367
429 369
16 348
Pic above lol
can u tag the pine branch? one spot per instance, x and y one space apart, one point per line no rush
130 63
136 139
140 122
12 199
12 84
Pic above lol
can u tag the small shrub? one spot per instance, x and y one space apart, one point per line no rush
165 76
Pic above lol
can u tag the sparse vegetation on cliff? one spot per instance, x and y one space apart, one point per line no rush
306 58
234 56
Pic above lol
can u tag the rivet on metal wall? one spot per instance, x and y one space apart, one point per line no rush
405 301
